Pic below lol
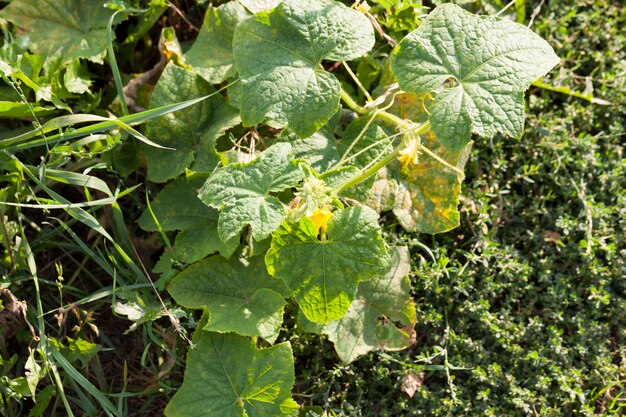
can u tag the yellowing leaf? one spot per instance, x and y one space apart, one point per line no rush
425 197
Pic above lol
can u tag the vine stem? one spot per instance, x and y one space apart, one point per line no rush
381 114
356 80
380 164
405 127
347 98
368 173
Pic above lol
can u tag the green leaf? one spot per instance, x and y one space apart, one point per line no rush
76 27
362 145
325 273
256 6
424 197
77 79
278 55
43 400
242 192
35 372
370 321
319 150
77 349
211 55
490 61
240 298
177 207
192 132
227 376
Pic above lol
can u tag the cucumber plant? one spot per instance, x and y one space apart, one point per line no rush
295 214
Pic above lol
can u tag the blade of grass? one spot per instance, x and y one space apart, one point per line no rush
23 141
83 382
117 78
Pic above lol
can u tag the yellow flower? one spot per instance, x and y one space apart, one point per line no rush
410 155
320 218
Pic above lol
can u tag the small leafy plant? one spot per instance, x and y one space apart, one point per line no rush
295 214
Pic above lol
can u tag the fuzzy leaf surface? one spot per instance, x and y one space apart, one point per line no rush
491 61
211 55
240 298
241 192
226 376
325 274
77 27
256 6
278 55
369 323
320 149
177 207
192 132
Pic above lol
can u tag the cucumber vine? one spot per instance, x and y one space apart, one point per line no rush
297 216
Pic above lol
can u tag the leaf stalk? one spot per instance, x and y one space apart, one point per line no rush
383 162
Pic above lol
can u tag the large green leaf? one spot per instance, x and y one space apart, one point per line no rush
240 298
278 55
325 273
177 207
192 132
320 149
424 197
490 61
211 55
242 192
370 322
227 376
256 6
77 27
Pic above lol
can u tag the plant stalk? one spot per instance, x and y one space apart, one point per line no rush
380 164
379 114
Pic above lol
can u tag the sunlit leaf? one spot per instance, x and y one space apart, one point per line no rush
211 55
227 376
491 62
278 55
240 298
242 192
325 273
370 322
256 6
77 27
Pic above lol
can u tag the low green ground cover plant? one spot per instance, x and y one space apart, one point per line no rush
274 178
